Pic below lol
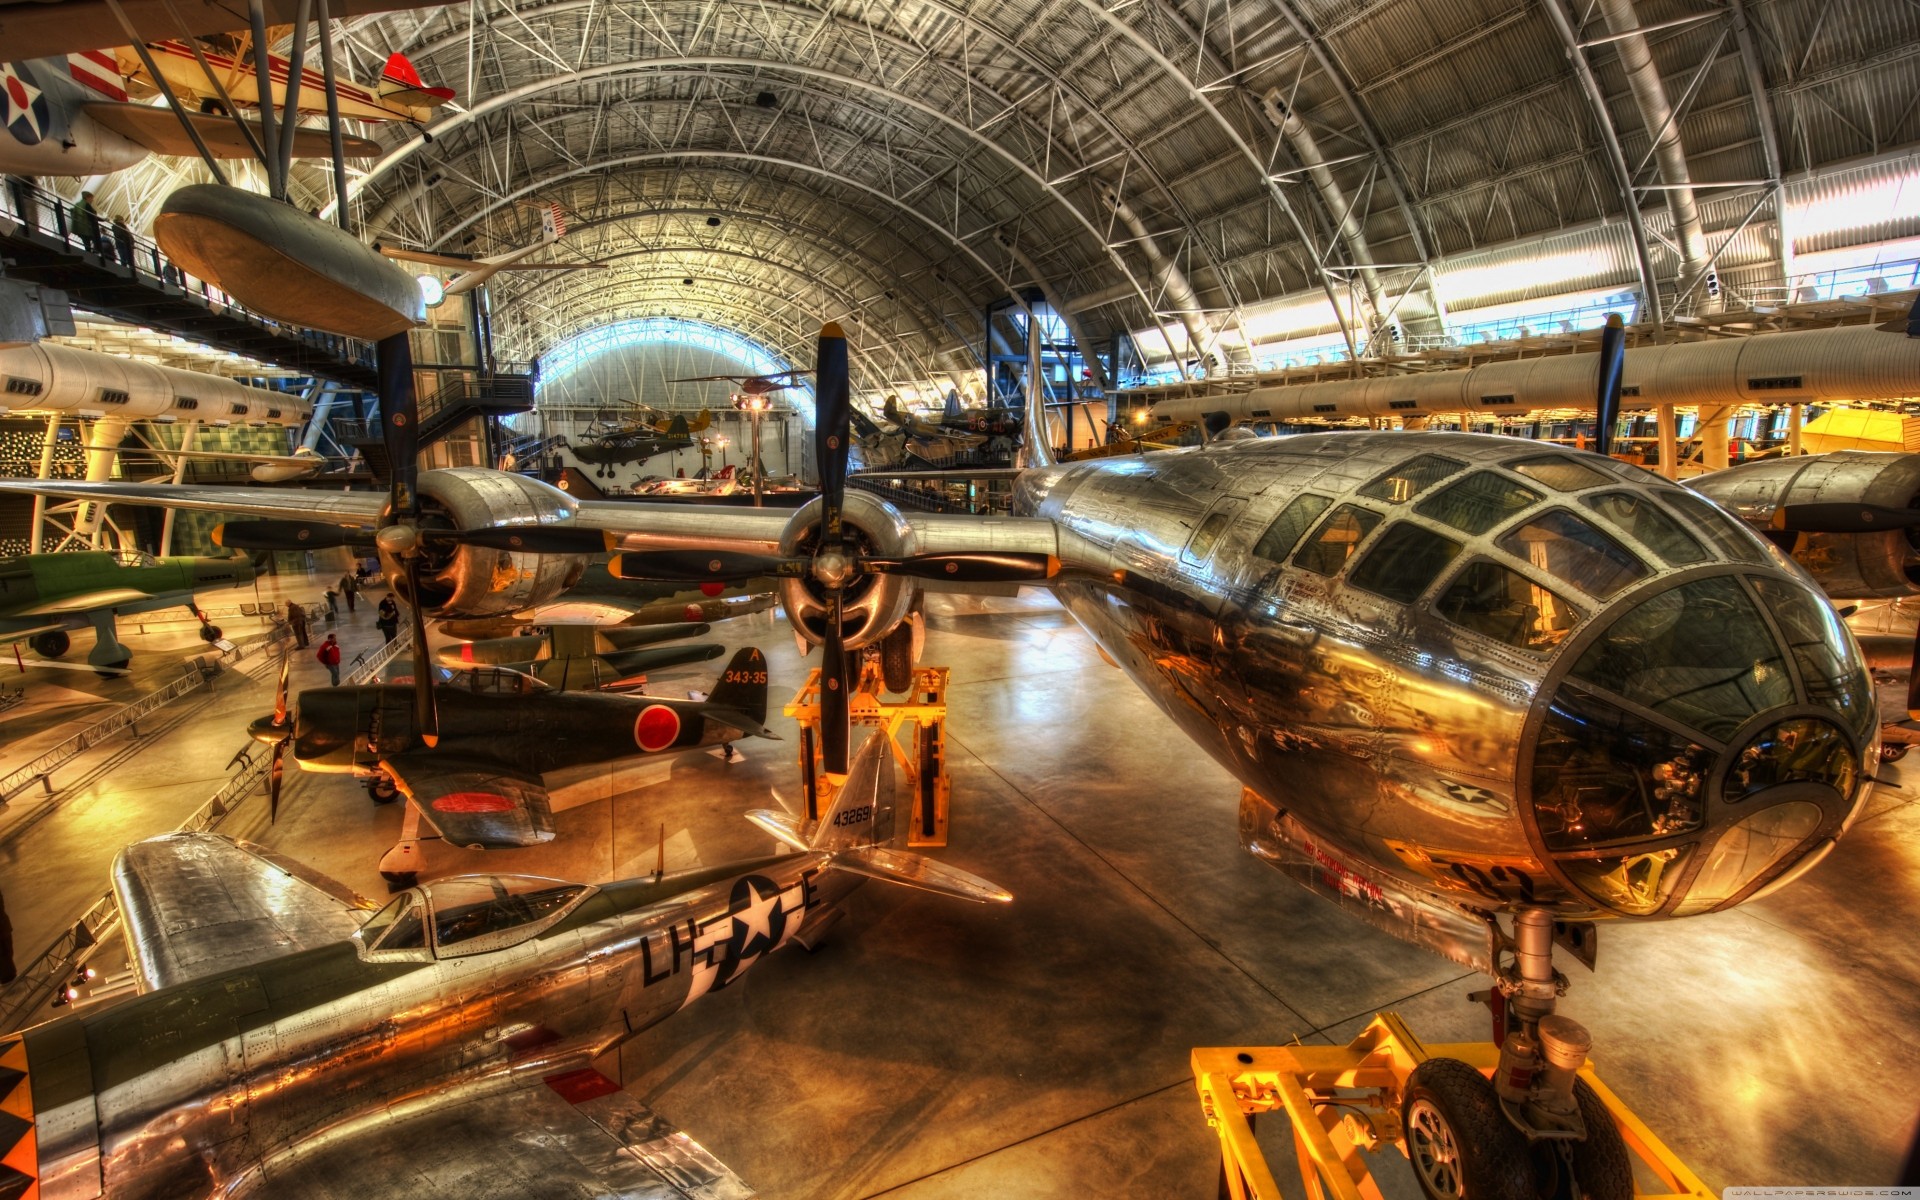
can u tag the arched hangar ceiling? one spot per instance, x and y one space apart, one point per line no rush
1159 162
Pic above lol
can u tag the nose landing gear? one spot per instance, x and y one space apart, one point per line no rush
1521 1118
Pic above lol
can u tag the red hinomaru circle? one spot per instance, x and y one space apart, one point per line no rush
656 728
712 589
693 613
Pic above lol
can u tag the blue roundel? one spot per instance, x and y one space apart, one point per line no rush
28 113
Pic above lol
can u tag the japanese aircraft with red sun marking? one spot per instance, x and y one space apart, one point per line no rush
479 783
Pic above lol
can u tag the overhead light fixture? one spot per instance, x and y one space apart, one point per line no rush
713 222
767 100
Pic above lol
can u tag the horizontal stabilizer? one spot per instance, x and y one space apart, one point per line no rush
918 871
783 827
449 261
423 97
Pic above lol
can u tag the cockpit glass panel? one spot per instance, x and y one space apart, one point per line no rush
1803 750
1648 523
1699 654
1822 649
1634 884
469 908
1603 775
1284 534
1501 603
1411 478
1479 502
1338 537
408 930
1747 851
1569 548
1208 534
1727 534
1559 472
1403 562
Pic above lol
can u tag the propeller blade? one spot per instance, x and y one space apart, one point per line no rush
969 567
426 712
275 771
280 692
701 566
1841 517
834 706
833 409
527 539
281 535
399 421
1613 369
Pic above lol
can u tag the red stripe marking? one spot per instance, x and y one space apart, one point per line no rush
578 1087
472 802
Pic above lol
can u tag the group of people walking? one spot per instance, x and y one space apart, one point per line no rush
387 621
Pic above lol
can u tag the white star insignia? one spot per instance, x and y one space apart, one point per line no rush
20 97
757 918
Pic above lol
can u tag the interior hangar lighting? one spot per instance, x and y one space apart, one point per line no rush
432 290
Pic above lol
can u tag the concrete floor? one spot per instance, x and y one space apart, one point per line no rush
934 1049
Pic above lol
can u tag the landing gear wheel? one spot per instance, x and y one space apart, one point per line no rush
382 791
1460 1145
1602 1169
51 644
1892 751
896 659
209 633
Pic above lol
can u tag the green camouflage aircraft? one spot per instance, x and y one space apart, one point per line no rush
43 596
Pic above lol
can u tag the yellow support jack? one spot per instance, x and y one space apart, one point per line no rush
1344 1102
923 758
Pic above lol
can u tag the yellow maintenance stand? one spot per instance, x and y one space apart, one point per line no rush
922 714
1344 1102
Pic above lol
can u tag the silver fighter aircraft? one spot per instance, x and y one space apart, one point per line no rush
287 1045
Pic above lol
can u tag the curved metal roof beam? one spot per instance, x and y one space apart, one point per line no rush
815 237
783 340
746 283
707 62
807 271
1008 47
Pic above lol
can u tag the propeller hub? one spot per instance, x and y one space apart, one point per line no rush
265 729
833 568
401 541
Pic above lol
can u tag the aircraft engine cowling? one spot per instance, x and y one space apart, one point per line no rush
1847 566
474 581
872 604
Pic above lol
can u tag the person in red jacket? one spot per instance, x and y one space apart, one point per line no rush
329 655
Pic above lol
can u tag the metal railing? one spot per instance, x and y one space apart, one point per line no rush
367 665
42 768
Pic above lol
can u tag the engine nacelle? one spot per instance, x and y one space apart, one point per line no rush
1847 566
871 605
473 581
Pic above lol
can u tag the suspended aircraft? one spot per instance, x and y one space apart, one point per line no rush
71 117
476 271
217 72
1482 693
923 440
464 1017
752 385
44 597
303 463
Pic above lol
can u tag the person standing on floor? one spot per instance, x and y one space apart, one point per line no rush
389 618
329 656
297 617
333 604
349 587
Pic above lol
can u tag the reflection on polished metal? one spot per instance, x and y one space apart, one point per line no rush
271 1058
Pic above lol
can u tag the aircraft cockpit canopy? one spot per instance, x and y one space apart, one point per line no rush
467 914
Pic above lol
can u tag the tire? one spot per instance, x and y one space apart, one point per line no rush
382 791
1892 752
1458 1142
1602 1166
896 659
209 633
51 644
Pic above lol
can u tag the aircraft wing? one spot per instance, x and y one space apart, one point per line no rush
88 601
158 129
429 258
554 266
473 801
197 904
571 1133
358 509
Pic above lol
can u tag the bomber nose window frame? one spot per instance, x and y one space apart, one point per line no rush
1495 601
1403 561
1559 472
1287 529
1410 478
1575 551
1647 523
1479 502
1337 539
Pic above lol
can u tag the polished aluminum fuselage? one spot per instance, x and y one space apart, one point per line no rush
183 1092
1398 739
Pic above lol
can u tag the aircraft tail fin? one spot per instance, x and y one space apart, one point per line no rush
400 81
678 427
891 409
743 687
553 223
